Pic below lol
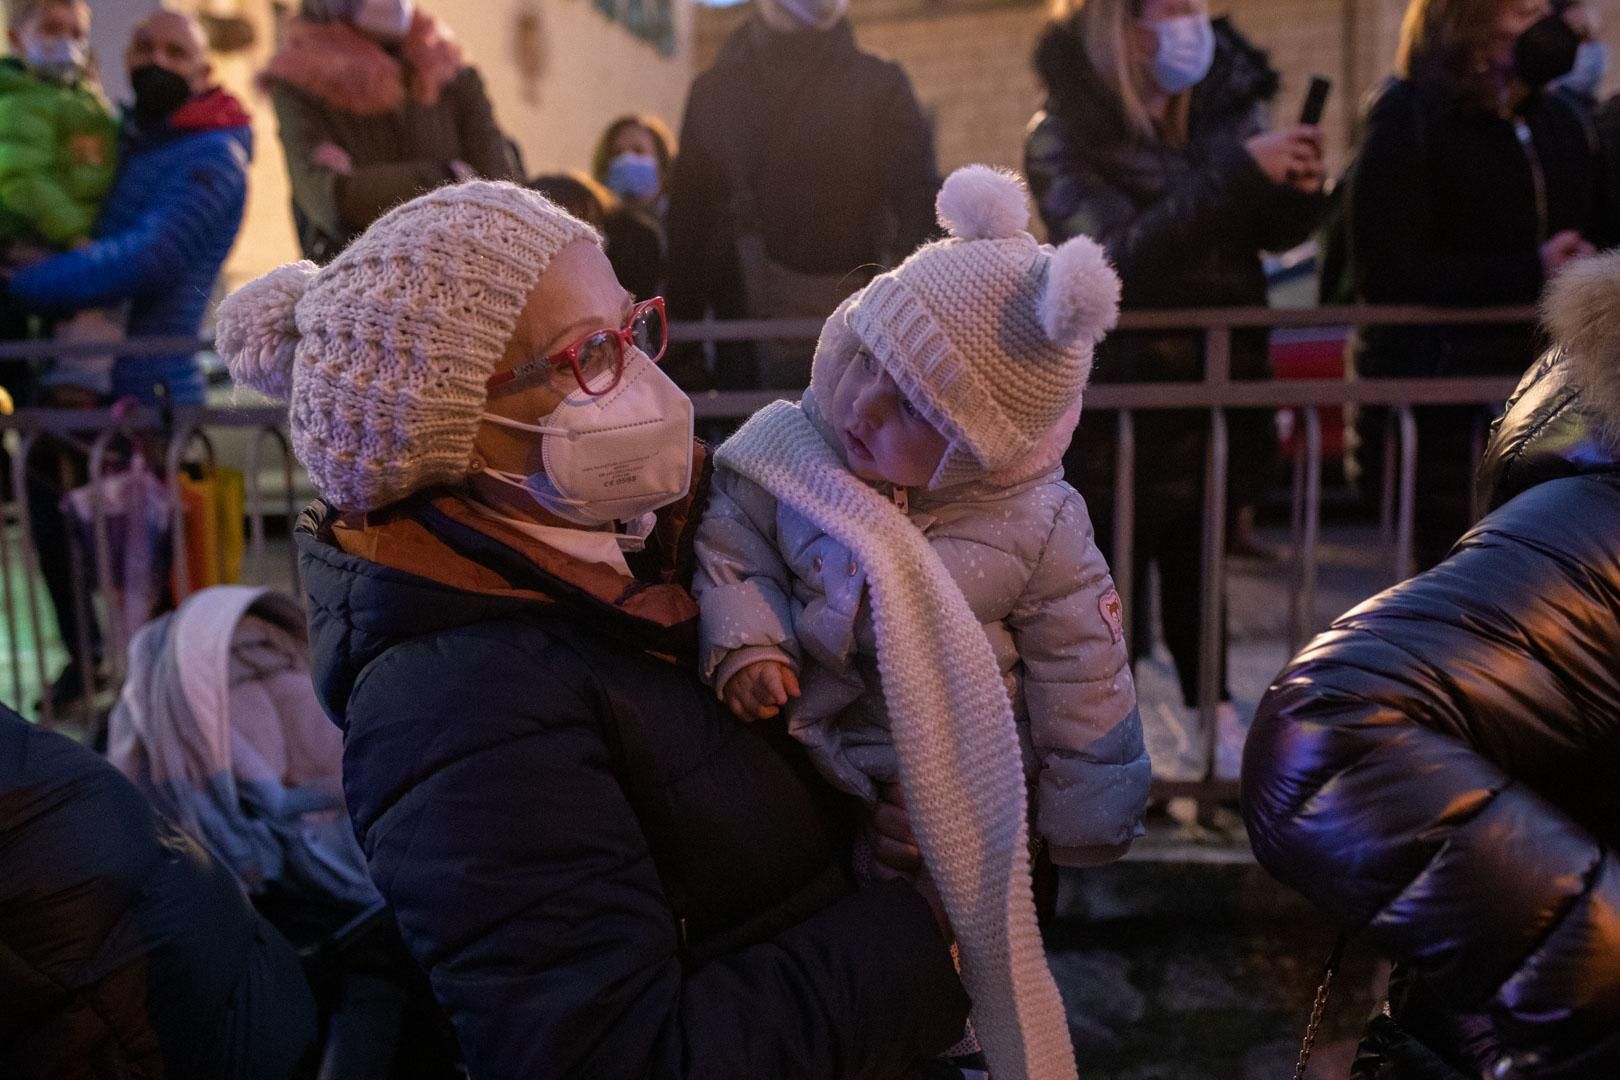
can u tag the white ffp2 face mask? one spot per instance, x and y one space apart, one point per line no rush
1186 52
614 457
58 58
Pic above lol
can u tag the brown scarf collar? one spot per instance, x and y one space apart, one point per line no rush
337 64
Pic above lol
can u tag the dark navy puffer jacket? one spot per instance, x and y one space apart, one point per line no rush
162 236
604 874
1441 769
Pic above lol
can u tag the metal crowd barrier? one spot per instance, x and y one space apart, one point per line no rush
1216 394
167 440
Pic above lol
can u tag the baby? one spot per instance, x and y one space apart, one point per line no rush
897 563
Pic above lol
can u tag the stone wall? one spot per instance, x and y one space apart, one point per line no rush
554 99
969 60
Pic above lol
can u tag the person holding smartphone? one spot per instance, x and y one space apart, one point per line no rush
1153 142
1474 186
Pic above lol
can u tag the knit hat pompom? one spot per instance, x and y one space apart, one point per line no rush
257 332
1081 301
978 202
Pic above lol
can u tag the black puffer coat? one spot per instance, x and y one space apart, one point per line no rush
1441 769
838 156
126 951
1185 227
604 874
1449 206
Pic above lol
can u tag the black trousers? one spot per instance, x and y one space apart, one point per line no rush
1167 536
1442 506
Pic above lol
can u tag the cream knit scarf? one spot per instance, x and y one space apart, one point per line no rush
954 734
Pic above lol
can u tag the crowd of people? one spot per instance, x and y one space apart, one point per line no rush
754 759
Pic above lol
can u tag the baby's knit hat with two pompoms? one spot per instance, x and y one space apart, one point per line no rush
989 332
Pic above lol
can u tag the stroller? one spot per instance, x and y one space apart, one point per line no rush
219 725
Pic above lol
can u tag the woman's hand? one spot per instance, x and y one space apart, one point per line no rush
759 691
1563 249
331 156
895 853
1290 157
888 831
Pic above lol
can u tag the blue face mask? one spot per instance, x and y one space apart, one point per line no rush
1186 51
1591 61
633 176
57 58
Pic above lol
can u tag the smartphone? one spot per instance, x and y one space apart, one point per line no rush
1315 100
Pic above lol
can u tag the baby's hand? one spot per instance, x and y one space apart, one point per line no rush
759 691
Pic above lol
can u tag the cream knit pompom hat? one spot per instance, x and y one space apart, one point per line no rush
384 354
989 332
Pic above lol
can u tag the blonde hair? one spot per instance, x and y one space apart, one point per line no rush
20 12
1105 27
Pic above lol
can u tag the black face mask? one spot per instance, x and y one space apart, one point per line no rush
158 93
1546 51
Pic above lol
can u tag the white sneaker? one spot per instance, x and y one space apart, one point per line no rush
1231 732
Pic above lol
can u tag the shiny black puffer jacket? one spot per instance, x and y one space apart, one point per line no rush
1441 769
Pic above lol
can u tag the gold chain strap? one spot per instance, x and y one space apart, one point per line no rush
1319 1008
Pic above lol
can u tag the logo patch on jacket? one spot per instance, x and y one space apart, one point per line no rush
1113 613
87 150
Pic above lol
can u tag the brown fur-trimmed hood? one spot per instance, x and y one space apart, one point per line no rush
337 64
1564 418
1582 312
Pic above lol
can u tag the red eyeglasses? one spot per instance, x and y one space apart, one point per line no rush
598 358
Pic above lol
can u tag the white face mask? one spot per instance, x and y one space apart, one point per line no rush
385 20
789 16
58 58
1586 77
1186 51
614 457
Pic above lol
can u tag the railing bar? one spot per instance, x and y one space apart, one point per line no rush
83 607
1406 522
1313 522
257 555
1323 318
117 614
20 503
19 481
1291 393
183 438
1211 612
288 468
1388 481
1296 536
1124 538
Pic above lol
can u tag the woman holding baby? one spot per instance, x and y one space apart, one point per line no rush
604 872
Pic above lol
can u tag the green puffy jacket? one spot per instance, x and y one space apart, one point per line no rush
58 153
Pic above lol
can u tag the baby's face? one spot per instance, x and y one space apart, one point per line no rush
885 437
